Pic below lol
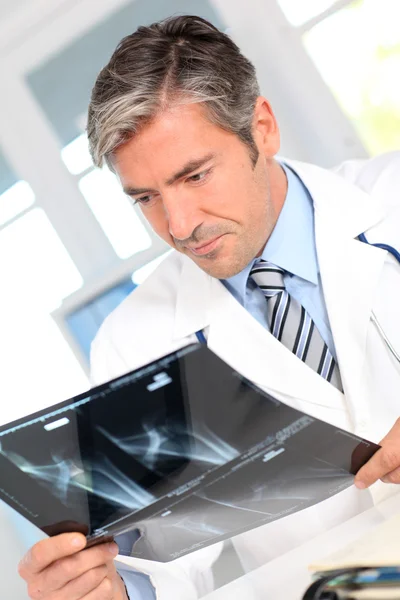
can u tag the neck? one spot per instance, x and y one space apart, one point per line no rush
278 188
278 191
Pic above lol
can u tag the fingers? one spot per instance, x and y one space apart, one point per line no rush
71 568
59 568
105 591
393 477
48 551
74 590
383 465
107 588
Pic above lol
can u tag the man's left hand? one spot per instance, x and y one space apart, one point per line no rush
385 464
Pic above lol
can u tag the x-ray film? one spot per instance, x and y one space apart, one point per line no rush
171 458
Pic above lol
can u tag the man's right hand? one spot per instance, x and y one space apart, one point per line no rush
59 568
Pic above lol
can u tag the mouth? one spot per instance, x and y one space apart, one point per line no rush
206 248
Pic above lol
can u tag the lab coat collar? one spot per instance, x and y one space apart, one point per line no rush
236 337
291 245
350 270
348 209
193 300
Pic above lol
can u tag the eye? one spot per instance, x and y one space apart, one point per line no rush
198 177
144 200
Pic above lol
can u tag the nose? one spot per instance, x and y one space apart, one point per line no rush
183 215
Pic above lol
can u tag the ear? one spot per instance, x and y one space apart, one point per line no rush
265 128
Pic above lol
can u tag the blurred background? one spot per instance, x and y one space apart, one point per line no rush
71 245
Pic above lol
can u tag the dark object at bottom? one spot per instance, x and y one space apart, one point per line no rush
318 591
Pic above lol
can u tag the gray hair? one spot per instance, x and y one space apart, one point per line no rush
182 59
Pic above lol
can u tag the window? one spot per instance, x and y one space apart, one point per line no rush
123 227
37 263
356 47
84 322
357 51
15 200
111 207
38 367
76 155
114 212
298 12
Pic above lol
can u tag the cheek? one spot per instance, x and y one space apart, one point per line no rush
225 200
237 200
158 221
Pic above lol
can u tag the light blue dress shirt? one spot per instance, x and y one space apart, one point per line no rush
291 246
138 585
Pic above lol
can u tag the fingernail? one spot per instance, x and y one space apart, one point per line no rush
113 549
360 485
78 542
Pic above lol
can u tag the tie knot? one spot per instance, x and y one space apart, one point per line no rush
268 277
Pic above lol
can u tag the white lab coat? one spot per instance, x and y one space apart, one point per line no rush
179 299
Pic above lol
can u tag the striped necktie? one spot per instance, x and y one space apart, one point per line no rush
291 324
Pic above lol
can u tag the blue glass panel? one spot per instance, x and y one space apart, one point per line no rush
85 322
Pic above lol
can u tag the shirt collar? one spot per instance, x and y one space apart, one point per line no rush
291 245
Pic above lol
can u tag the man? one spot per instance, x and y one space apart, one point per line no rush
267 267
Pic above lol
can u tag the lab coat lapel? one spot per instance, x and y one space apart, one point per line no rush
235 336
350 270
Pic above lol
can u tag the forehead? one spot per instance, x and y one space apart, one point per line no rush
174 137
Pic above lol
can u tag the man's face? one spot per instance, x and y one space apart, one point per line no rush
198 188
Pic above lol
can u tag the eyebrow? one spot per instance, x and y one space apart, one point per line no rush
191 166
